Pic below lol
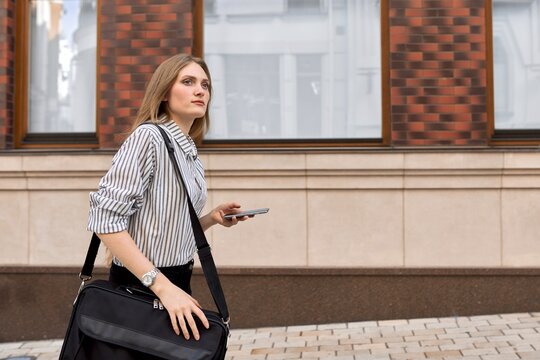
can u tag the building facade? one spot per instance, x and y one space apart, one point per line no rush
394 141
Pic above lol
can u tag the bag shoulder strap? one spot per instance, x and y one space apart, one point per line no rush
203 249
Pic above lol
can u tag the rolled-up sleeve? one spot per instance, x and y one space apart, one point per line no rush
121 190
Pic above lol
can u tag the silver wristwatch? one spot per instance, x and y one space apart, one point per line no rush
149 278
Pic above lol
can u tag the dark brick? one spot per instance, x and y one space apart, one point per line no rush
406 4
461 21
439 126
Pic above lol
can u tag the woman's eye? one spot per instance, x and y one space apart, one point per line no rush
187 82
205 86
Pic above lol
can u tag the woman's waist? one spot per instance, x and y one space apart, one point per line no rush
164 269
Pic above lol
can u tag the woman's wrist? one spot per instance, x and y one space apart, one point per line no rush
207 221
159 284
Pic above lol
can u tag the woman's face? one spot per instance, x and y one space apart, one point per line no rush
189 96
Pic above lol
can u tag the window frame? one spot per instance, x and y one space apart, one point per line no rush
22 138
517 137
383 140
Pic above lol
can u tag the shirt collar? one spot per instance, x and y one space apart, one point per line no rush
186 143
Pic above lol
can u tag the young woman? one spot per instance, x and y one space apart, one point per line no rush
140 211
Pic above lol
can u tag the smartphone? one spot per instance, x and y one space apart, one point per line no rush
247 213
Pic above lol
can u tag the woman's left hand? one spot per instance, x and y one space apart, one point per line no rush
217 216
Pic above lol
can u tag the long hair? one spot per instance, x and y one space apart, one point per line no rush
153 106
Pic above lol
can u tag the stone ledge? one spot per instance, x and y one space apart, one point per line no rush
330 170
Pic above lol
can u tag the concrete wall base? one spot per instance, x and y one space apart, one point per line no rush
37 301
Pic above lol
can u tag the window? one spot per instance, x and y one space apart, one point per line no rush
57 71
306 71
305 6
516 68
308 96
252 106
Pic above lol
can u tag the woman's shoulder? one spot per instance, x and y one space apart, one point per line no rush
143 139
148 133
147 129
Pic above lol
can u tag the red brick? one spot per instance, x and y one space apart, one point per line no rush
396 37
441 108
439 56
427 117
413 56
460 29
399 30
123 9
426 47
477 55
123 26
462 47
462 117
436 73
416 126
399 100
476 21
440 38
442 100
456 12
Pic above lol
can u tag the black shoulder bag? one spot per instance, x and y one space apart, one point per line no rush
130 323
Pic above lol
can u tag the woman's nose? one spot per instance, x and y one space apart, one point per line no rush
199 90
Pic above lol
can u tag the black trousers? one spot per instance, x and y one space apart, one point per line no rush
178 275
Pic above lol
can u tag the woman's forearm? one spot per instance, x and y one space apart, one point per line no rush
122 246
207 221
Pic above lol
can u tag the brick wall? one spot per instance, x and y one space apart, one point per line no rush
136 36
7 54
438 72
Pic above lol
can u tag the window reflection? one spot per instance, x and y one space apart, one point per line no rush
516 63
294 69
308 94
252 92
62 66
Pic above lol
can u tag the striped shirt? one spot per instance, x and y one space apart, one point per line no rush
142 194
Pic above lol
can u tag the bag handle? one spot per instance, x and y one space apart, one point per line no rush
203 249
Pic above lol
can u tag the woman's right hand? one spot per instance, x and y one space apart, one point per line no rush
180 306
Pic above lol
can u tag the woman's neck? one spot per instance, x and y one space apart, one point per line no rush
184 125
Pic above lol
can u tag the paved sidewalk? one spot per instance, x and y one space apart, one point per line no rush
493 337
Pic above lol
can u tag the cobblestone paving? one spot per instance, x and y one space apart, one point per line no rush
492 337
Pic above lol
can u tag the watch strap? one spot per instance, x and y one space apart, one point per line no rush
153 274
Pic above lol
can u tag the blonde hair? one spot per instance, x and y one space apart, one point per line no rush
153 106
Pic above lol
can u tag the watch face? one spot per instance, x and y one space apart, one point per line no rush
147 280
